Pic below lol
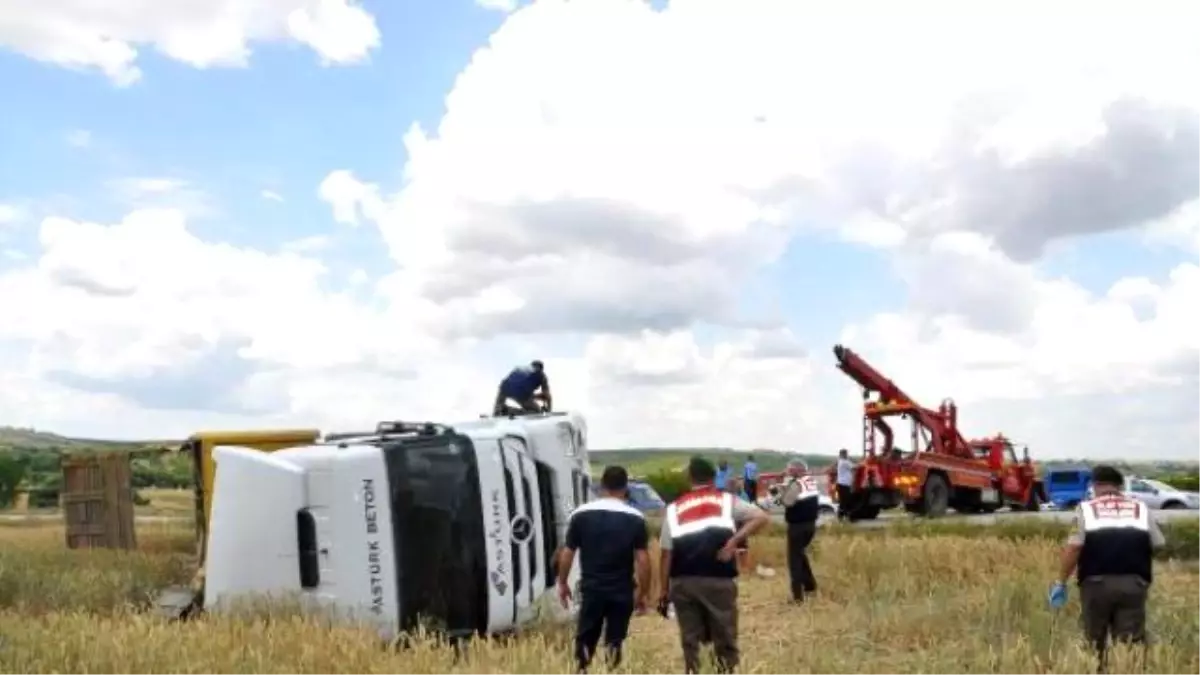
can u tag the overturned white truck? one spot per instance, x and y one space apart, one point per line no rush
451 526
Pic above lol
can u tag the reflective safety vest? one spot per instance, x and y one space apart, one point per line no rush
1116 538
807 507
700 523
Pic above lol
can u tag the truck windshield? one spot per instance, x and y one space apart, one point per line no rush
437 523
1067 478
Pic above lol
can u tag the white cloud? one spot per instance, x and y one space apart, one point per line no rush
203 34
156 192
582 181
271 196
604 209
9 214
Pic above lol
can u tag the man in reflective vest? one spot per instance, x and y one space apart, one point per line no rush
699 541
1110 550
801 509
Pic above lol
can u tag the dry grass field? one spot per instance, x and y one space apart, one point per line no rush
916 599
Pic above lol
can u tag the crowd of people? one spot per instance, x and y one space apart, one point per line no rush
1109 552
706 531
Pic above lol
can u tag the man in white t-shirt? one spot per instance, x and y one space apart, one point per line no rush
845 481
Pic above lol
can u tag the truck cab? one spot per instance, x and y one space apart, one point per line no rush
450 526
1066 487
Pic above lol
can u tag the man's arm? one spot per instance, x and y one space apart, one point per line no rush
752 519
546 389
566 556
1157 538
664 560
1069 559
641 560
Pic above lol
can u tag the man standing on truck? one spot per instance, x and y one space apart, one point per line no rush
525 385
698 571
802 506
1110 550
845 481
611 536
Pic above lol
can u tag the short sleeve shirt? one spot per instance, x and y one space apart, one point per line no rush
1078 533
742 511
607 533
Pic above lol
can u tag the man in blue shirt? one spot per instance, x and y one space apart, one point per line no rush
750 478
522 385
722 478
611 538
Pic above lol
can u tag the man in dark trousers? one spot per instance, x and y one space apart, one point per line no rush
801 509
611 538
844 481
1110 551
698 571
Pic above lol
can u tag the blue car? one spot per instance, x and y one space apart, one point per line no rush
1067 486
642 497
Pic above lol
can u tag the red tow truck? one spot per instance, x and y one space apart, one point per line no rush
941 470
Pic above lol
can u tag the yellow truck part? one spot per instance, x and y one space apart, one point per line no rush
201 445
181 602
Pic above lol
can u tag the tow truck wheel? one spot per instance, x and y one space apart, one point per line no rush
864 513
935 496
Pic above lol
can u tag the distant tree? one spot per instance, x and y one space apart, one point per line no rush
12 472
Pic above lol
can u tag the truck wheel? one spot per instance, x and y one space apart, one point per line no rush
935 495
864 513
1173 505
1033 503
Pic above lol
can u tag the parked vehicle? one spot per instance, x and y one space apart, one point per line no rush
1067 486
1157 494
642 496
456 525
941 469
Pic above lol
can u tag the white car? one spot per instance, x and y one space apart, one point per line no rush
827 506
1158 495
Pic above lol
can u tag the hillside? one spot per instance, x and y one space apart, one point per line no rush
21 438
643 461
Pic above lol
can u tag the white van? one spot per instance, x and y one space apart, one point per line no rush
455 526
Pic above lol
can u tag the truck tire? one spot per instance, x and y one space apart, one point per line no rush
1033 503
865 512
935 495
1172 504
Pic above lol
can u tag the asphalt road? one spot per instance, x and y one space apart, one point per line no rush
889 518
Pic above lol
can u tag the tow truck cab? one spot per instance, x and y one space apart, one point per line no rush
451 526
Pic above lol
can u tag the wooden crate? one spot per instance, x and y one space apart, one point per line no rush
97 501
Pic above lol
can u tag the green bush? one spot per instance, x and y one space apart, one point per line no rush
1188 482
669 484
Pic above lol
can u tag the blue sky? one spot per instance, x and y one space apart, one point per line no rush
74 144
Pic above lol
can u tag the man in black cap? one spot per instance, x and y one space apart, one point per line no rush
1110 551
701 534
611 536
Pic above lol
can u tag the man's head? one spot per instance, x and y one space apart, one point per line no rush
537 366
843 454
724 464
614 482
1107 479
749 459
797 467
700 471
